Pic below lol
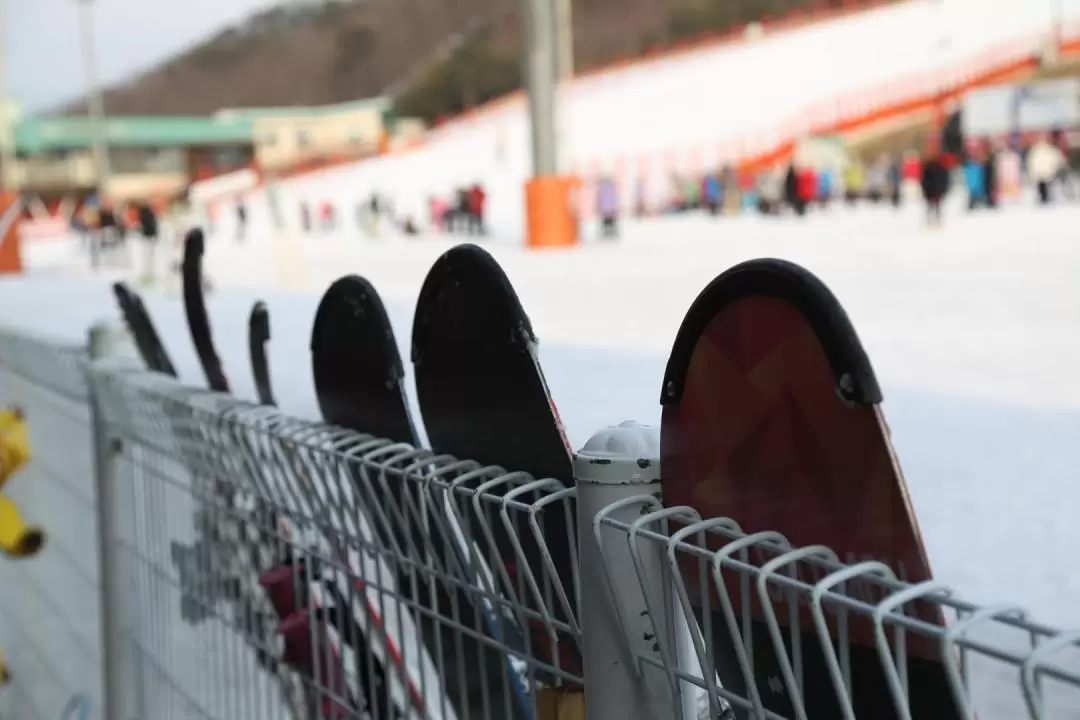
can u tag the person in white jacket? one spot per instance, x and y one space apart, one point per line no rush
1044 163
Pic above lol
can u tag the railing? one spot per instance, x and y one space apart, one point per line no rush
183 523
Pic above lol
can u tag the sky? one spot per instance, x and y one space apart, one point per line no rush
41 40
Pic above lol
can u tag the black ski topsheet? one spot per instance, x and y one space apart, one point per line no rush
357 367
483 397
139 322
258 336
772 417
195 307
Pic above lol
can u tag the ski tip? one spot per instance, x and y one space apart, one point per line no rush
337 312
194 244
259 321
807 294
473 266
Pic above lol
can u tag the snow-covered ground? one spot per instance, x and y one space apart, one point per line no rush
972 329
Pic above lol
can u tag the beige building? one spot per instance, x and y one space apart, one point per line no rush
284 137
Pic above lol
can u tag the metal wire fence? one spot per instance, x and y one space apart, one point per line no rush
253 565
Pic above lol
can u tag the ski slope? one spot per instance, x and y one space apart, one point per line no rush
972 330
696 109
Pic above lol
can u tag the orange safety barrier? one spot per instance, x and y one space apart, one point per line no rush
10 248
549 210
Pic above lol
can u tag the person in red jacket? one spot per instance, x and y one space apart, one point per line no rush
477 199
807 181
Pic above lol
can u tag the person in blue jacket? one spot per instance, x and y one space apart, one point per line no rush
712 193
975 180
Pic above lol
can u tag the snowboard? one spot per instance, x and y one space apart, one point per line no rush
483 397
258 336
141 326
772 417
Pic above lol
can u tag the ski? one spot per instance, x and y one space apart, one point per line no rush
141 326
483 397
258 336
202 338
772 416
195 307
358 383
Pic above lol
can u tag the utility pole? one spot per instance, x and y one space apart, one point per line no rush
7 142
95 105
564 39
540 67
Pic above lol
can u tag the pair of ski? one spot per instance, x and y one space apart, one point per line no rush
487 360
482 396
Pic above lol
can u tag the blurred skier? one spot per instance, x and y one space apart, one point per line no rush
935 185
854 181
241 220
1044 164
607 207
975 181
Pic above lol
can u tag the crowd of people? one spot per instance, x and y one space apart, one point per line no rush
987 172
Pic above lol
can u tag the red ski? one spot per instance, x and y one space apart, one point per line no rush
772 418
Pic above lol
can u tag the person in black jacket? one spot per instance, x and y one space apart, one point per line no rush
148 222
935 185
791 190
990 178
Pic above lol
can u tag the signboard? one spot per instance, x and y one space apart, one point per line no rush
1031 107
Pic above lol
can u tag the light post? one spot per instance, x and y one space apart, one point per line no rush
95 105
540 69
7 146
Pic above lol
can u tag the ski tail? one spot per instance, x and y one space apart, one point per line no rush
771 416
195 307
258 336
142 329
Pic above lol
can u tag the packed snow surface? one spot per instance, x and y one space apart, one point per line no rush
972 328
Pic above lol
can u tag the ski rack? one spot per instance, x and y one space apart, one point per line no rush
631 550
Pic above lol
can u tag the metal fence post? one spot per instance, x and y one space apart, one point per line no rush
104 342
619 464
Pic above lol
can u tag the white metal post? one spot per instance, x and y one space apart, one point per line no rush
622 464
104 342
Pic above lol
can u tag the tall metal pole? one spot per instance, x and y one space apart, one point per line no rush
7 146
95 105
564 39
538 18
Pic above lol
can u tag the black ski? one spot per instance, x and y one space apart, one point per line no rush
142 329
195 307
359 386
483 397
359 379
355 360
258 336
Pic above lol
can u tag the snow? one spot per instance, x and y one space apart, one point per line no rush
971 328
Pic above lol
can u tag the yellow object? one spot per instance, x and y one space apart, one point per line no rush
18 539
5 674
14 444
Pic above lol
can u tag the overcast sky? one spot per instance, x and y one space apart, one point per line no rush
41 40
